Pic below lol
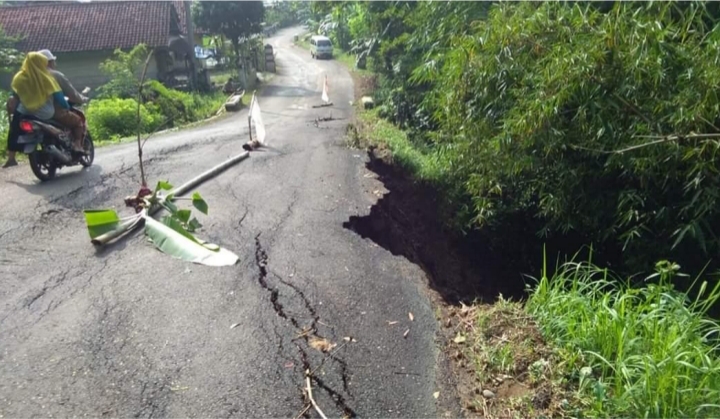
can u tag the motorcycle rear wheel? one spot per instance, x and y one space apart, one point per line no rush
89 147
42 167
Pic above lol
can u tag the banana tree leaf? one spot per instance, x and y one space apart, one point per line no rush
100 222
183 215
199 203
180 246
163 185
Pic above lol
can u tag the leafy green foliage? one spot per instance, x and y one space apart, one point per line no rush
178 108
110 119
286 13
10 60
523 104
113 118
232 19
199 203
123 70
10 57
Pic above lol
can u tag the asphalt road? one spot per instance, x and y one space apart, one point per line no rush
129 331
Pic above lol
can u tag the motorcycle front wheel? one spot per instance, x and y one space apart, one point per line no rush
42 167
89 147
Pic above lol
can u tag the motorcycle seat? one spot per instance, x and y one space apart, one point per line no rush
49 122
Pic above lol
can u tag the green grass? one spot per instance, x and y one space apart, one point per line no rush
378 131
648 352
595 347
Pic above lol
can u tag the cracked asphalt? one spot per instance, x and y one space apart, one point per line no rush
129 331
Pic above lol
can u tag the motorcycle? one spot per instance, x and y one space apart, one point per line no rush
49 145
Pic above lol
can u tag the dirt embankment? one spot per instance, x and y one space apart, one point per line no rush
494 364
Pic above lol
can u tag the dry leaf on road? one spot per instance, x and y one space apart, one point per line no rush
349 339
234 325
392 323
322 345
406 333
436 394
412 318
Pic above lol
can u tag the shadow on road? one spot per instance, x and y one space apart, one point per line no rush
63 181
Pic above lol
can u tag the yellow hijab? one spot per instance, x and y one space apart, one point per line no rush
33 83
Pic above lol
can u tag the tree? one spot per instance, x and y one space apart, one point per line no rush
236 20
283 13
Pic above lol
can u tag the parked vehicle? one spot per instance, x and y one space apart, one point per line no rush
321 46
49 145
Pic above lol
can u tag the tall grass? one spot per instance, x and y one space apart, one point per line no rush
635 352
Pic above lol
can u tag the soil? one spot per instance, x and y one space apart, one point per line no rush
517 390
407 221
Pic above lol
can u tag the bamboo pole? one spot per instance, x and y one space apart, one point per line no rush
133 223
182 189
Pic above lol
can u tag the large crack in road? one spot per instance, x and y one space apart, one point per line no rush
305 333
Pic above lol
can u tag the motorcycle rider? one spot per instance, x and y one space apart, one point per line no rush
41 96
67 87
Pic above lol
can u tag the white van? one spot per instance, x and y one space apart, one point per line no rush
321 46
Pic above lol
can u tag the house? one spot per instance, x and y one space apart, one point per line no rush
83 35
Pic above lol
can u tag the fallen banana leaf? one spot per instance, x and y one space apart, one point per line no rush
178 245
124 227
175 225
101 222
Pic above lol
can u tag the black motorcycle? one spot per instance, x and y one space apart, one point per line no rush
49 145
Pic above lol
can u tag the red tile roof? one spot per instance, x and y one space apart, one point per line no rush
68 27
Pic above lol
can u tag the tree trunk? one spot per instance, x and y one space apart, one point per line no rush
238 58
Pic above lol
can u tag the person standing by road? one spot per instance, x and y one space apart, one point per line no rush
13 121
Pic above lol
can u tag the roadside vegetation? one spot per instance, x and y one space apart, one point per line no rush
112 114
592 125
586 344
10 59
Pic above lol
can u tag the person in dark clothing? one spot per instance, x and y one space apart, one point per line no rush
13 133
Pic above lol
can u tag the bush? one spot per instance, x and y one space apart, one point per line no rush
531 107
111 119
179 107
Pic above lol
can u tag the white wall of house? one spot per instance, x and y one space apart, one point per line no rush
83 69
